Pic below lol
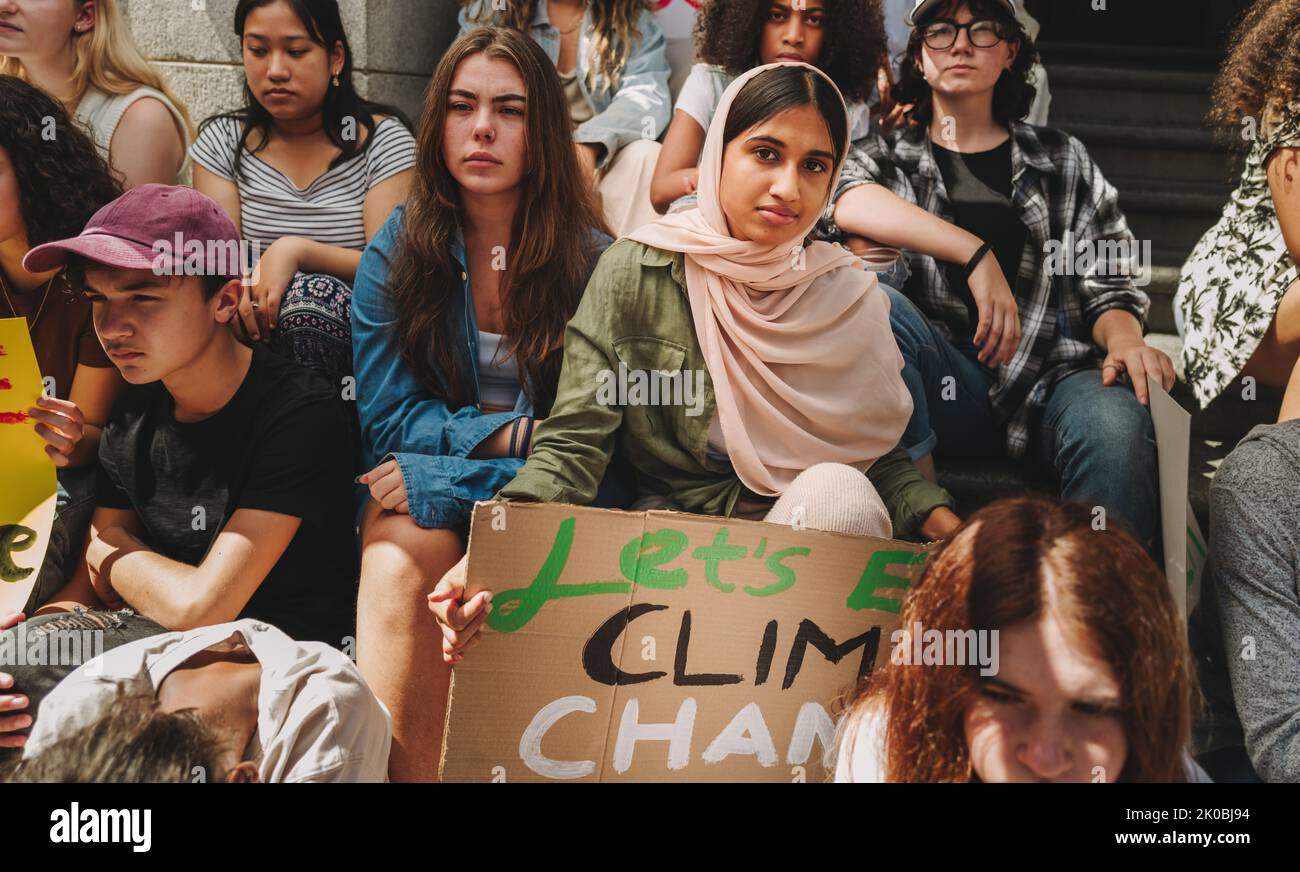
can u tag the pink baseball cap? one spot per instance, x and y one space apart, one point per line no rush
169 229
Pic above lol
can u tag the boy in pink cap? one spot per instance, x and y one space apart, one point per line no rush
225 489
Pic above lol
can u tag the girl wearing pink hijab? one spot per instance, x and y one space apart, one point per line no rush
800 400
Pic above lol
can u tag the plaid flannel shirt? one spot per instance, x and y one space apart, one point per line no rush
1061 197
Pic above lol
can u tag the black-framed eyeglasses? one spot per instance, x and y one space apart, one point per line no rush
942 35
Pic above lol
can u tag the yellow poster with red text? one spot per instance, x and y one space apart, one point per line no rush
28 487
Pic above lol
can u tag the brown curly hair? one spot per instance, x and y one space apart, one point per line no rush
727 35
1261 72
995 572
1014 93
62 179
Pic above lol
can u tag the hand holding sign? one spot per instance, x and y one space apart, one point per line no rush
658 645
61 424
28 494
461 624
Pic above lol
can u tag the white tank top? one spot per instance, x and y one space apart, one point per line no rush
499 383
99 114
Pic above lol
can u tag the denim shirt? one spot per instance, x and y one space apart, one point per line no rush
641 106
400 417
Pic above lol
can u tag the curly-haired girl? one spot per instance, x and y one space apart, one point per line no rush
611 59
52 180
845 38
1238 300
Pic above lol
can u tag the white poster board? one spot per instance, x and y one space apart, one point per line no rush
1173 426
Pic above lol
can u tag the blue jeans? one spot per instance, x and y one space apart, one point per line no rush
1099 441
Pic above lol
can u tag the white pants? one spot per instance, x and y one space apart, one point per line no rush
624 187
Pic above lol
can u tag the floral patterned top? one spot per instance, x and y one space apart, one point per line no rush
1232 282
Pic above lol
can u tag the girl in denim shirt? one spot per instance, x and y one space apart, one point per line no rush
458 319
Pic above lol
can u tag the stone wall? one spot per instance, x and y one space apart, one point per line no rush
395 46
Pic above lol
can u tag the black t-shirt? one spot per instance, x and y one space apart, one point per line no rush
979 189
282 444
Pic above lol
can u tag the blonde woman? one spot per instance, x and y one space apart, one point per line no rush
81 53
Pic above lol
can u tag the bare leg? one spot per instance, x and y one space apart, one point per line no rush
398 645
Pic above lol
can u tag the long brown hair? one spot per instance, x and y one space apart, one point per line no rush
994 573
1262 70
551 242
614 35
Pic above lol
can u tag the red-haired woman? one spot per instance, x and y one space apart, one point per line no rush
1092 678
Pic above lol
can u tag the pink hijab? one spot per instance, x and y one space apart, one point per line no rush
804 364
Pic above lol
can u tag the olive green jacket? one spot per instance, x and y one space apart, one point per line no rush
635 311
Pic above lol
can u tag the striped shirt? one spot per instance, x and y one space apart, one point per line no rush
329 210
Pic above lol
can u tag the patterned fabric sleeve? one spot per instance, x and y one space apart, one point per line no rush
391 152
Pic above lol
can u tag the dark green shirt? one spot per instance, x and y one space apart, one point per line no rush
635 311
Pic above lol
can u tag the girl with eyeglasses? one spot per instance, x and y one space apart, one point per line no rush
1059 378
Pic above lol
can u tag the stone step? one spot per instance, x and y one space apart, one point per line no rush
1173 215
1090 55
1158 163
1171 137
1164 282
1129 79
1128 96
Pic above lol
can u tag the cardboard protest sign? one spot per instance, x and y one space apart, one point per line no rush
1173 426
27 496
657 646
